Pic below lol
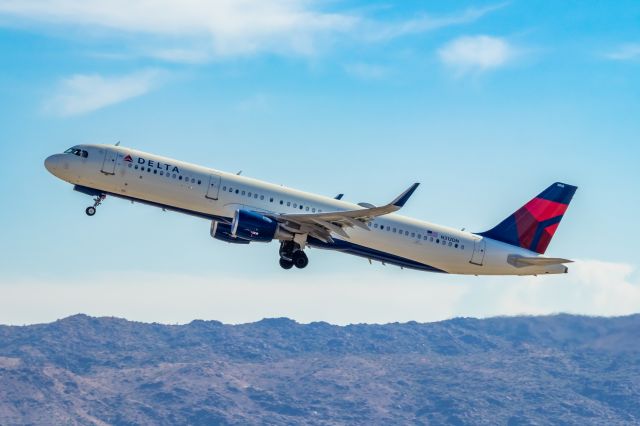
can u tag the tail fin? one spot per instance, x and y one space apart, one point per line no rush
533 225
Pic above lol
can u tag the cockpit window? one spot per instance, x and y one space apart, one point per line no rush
79 152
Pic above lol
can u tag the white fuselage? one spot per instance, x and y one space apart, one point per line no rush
216 195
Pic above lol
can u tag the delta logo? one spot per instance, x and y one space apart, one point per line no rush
153 164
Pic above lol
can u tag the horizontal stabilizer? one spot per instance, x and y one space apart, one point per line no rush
522 261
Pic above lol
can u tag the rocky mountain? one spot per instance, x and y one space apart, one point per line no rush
517 371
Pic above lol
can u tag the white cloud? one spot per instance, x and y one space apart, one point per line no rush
231 27
366 71
476 53
378 295
200 29
625 52
592 287
428 23
81 94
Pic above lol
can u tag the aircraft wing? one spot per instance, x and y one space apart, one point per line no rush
522 261
321 225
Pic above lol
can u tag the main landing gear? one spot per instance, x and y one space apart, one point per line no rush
292 255
91 210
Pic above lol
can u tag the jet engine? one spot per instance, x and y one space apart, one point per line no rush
253 226
248 226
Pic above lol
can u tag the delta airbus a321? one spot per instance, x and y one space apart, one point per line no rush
244 210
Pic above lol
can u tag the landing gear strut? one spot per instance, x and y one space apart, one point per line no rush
91 210
292 255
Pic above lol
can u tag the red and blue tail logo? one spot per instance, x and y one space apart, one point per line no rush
534 224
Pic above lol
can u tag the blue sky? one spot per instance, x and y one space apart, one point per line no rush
484 103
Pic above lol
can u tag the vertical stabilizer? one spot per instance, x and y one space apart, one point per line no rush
533 225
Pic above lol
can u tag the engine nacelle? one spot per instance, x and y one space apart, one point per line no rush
222 231
252 226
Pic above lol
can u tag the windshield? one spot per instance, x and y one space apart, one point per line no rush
79 152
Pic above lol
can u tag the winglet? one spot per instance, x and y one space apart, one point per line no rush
402 198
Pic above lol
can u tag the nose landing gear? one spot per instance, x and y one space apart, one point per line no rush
292 255
91 210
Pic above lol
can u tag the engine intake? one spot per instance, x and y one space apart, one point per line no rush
222 232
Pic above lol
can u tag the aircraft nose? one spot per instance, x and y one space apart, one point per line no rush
51 164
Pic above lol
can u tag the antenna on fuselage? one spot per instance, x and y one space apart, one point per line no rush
239 172
118 143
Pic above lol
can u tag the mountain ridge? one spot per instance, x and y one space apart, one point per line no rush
514 370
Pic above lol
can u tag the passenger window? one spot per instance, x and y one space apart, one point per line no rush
281 202
450 244
375 225
295 205
224 188
406 233
180 177
456 246
237 191
155 171
242 193
255 196
313 210
437 241
193 180
262 197
300 206
85 154
249 194
161 173
130 165
288 203
413 235
394 230
306 208
148 169
174 175
136 167
199 181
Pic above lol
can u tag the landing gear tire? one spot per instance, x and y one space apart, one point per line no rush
91 210
286 264
300 259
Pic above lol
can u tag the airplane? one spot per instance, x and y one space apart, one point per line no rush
243 210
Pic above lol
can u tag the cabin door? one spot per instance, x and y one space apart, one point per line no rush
478 252
109 163
214 187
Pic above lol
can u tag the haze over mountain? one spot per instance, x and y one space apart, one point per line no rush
520 370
